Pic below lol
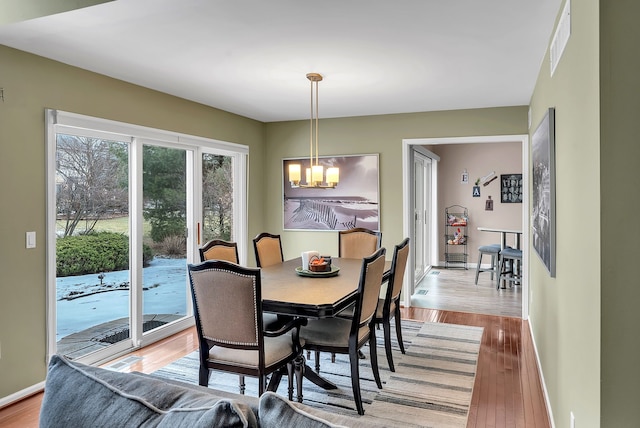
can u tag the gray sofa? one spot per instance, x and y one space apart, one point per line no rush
78 395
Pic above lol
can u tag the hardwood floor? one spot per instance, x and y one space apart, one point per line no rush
507 391
455 290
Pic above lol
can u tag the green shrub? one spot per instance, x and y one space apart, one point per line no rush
94 253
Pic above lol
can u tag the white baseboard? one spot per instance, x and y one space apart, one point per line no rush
541 376
17 396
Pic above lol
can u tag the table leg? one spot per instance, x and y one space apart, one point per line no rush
317 379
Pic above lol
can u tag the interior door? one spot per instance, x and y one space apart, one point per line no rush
422 216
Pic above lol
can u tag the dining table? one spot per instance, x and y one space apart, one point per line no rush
504 233
290 290
503 239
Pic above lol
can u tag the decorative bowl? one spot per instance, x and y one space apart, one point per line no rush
320 267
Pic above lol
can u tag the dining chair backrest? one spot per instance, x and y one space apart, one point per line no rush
396 273
224 291
268 249
369 288
358 242
218 249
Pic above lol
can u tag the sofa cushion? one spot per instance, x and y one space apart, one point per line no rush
274 409
83 396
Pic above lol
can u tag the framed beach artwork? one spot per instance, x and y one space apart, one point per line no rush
354 202
544 198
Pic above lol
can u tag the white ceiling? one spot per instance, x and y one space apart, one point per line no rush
250 57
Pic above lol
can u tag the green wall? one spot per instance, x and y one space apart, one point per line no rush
565 310
584 320
620 200
365 135
32 84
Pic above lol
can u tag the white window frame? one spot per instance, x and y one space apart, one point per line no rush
58 121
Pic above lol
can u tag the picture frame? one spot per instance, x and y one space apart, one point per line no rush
544 199
354 202
511 188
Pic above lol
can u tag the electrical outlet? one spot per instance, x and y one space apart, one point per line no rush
572 421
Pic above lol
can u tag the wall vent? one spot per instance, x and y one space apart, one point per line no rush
560 37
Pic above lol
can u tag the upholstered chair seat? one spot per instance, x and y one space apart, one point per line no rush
331 332
276 350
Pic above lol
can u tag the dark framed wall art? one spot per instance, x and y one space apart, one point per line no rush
354 202
511 188
544 198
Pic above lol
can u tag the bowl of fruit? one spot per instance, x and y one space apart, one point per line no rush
319 264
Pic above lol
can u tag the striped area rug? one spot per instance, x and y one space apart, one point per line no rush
431 387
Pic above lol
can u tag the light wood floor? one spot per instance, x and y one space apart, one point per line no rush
507 391
455 290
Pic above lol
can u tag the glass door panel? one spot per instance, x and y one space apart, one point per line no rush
164 288
217 197
92 244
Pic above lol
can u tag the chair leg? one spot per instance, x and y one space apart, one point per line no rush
399 328
355 379
203 375
317 357
290 371
299 368
262 381
241 383
386 324
478 267
493 265
374 358
499 272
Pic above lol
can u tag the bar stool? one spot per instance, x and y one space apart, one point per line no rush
493 250
514 257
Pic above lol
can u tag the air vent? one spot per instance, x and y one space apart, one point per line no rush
561 37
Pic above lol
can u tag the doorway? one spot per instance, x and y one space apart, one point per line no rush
409 147
422 196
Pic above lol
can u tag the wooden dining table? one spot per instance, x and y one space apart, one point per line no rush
286 292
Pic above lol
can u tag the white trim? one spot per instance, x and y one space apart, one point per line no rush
21 395
522 139
126 130
547 400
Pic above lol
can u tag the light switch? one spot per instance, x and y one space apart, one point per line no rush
31 240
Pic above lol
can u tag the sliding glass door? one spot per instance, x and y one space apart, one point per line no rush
127 212
92 243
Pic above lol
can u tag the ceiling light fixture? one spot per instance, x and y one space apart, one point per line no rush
315 173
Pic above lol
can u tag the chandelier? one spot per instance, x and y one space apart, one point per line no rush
315 173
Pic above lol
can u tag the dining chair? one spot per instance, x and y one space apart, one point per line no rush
389 306
268 249
347 336
358 242
224 291
218 249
